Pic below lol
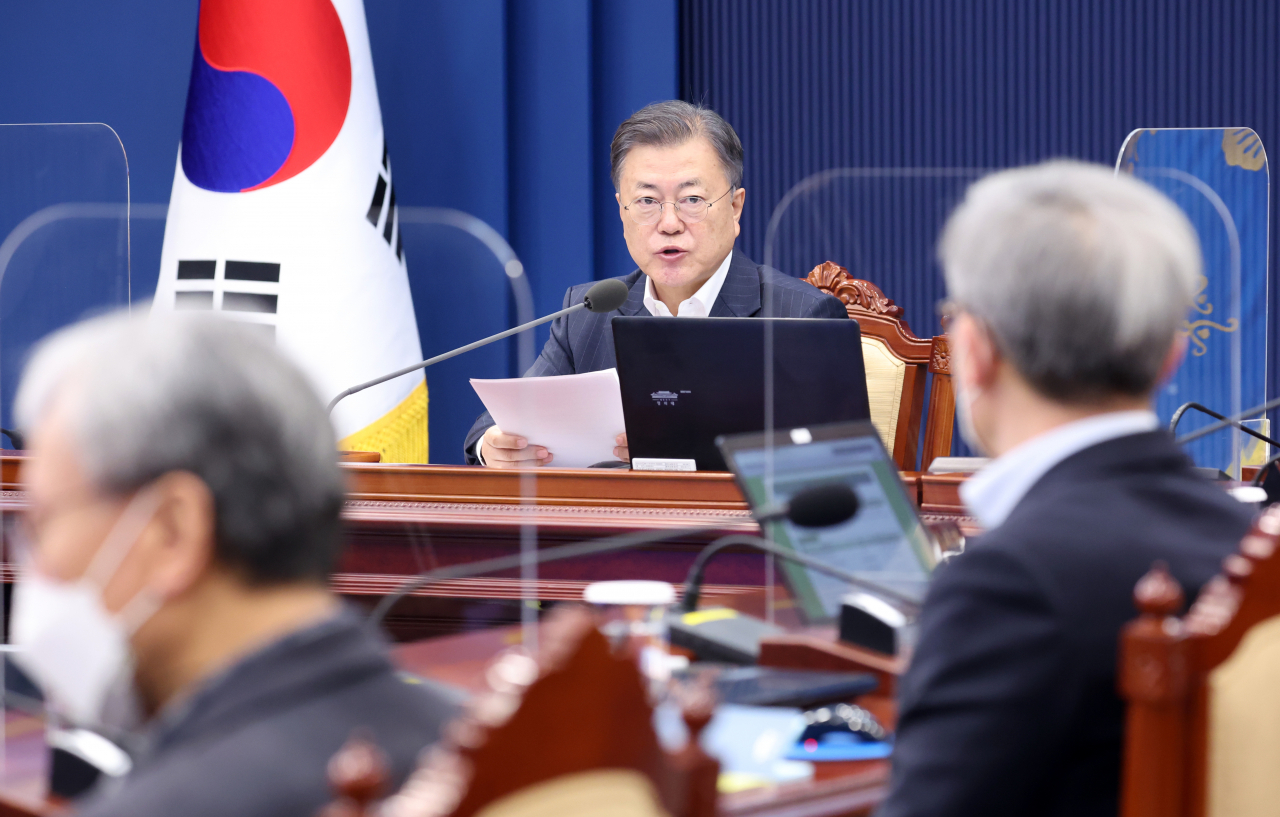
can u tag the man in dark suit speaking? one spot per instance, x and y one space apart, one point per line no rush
1070 286
677 169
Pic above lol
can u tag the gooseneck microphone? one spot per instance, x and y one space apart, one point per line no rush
693 582
1224 421
814 507
1229 421
820 506
604 296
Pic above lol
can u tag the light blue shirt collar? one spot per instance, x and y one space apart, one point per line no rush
993 493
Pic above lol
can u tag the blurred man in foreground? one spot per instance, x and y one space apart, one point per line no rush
677 173
1068 289
183 524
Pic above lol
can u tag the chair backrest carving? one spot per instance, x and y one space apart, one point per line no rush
897 364
551 735
1202 736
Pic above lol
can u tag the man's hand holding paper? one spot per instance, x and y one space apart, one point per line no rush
574 421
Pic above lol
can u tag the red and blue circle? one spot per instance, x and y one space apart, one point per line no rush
270 88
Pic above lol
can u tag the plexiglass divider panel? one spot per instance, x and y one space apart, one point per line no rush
64 255
470 267
882 226
1220 179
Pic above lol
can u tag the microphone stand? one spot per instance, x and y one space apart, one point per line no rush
693 582
498 563
800 512
1228 421
440 358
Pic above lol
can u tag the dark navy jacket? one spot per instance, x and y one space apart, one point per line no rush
256 741
583 342
1009 706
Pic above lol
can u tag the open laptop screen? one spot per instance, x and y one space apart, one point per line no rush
884 543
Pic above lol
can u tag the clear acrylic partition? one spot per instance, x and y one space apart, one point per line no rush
882 225
64 255
469 284
1220 179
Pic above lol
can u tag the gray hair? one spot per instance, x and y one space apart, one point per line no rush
1083 277
672 123
148 395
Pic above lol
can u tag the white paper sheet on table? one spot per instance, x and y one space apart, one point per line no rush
574 416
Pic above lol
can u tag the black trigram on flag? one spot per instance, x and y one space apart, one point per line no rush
385 205
250 289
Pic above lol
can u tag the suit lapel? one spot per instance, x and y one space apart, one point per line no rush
740 295
634 305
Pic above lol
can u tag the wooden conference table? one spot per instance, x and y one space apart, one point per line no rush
404 519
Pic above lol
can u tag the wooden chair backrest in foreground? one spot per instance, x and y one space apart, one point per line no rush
566 734
1202 733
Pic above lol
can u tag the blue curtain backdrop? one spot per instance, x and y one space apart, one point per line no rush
501 109
505 109
817 84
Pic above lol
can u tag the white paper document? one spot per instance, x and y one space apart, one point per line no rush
577 417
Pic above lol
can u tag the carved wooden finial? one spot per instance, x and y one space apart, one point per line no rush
1158 593
856 294
358 775
697 707
1237 568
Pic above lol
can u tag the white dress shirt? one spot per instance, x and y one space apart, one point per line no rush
993 493
698 306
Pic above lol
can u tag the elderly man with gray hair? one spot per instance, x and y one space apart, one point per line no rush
677 176
183 523
1069 286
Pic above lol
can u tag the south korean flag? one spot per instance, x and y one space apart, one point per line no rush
283 213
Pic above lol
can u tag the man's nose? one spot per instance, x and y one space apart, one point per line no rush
669 222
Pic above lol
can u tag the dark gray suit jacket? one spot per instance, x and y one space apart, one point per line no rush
256 740
1009 707
583 342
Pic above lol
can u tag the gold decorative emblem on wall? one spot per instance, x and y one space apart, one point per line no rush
1200 329
1243 148
1129 150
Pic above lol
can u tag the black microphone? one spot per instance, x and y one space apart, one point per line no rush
820 506
1225 421
810 505
604 296
1229 421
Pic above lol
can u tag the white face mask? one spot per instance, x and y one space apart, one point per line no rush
76 651
964 416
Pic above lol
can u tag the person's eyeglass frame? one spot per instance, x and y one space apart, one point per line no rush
681 213
947 310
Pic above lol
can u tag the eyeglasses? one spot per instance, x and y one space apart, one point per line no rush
947 310
690 209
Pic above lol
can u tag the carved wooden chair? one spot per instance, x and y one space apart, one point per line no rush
897 363
566 735
1202 733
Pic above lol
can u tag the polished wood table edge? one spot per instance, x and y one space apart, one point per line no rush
545 486
490 587
569 516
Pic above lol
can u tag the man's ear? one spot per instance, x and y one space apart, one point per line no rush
186 524
737 200
979 357
622 211
1172 359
